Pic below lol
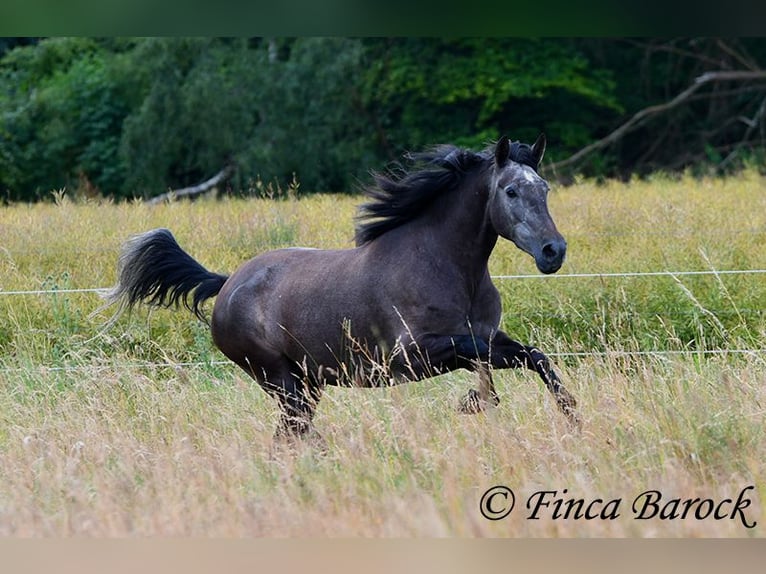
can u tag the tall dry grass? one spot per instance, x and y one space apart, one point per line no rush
109 434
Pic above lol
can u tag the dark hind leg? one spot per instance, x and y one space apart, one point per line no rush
299 402
283 380
298 398
296 394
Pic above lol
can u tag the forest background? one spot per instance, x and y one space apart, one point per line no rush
134 117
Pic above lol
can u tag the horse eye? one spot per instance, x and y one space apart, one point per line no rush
510 191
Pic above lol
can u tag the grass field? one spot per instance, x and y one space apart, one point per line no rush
143 430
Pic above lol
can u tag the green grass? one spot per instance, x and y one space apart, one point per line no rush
109 434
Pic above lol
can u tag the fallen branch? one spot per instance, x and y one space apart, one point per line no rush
195 190
640 116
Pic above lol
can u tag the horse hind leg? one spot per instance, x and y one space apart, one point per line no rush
298 398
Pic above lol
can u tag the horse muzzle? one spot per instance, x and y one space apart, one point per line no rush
551 256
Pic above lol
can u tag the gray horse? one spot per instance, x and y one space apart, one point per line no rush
413 299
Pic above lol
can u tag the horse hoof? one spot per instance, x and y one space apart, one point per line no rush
287 441
568 405
573 418
472 403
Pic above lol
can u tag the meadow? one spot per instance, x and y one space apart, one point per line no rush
145 430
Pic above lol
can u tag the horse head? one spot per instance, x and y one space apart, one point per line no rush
518 203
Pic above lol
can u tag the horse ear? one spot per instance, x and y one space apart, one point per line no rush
502 151
538 149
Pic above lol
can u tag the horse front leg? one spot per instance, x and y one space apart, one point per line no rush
435 354
506 353
479 399
432 354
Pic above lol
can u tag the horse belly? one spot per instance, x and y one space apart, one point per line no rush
337 338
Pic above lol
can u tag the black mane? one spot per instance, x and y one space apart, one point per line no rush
397 198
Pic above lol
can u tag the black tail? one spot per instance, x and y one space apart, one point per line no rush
153 268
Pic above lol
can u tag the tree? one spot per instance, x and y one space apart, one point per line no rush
62 109
696 103
470 91
311 121
134 117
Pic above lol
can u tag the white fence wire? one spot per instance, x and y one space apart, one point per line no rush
575 354
224 363
682 273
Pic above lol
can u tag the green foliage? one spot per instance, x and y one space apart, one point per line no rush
311 124
195 110
132 117
470 90
62 109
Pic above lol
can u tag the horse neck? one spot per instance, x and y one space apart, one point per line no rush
458 226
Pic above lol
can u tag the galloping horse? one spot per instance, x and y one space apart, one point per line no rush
413 299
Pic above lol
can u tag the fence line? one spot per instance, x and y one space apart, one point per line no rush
561 355
57 291
576 354
498 277
633 274
660 352
80 368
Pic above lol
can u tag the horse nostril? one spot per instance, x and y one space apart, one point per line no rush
550 251
554 250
